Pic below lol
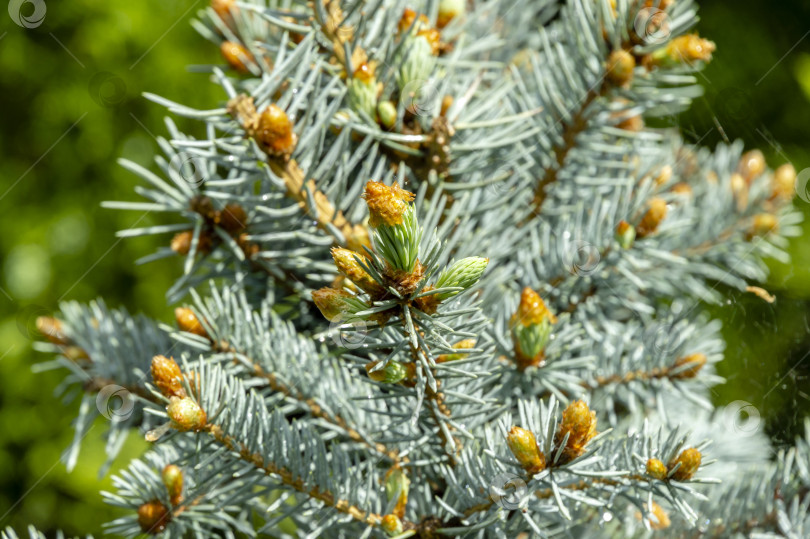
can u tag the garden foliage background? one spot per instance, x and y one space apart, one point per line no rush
70 92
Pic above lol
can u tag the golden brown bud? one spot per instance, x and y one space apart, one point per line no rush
186 414
408 18
658 519
682 188
181 242
783 185
752 164
689 48
348 266
656 469
274 132
52 329
466 344
187 321
449 10
391 525
532 310
153 517
433 38
619 67
173 479
330 302
167 376
664 175
232 218
364 73
695 362
237 56
523 445
386 205
579 423
689 461
763 224
656 213
224 8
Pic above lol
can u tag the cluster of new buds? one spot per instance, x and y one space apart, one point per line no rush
681 468
392 269
183 410
153 515
577 428
531 326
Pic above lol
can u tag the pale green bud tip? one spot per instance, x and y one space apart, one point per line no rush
387 113
173 479
463 273
336 305
625 234
523 445
186 414
393 373
391 525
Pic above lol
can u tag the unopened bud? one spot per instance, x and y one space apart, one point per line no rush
686 49
752 164
392 525
397 485
689 461
153 517
336 305
463 274
466 344
274 132
763 224
619 68
187 321
52 329
656 213
523 446
579 423
531 328
387 113
449 10
691 365
347 265
232 218
237 56
167 376
784 183
363 91
656 469
393 372
625 234
186 414
173 479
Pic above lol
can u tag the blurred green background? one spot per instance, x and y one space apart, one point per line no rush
71 106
